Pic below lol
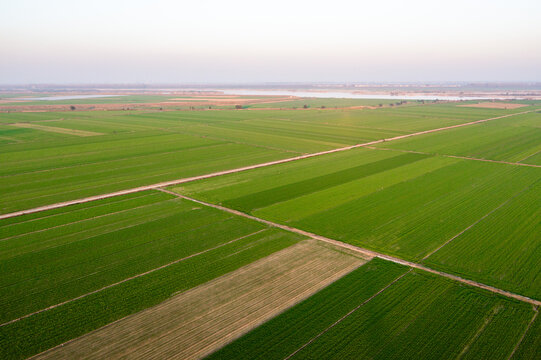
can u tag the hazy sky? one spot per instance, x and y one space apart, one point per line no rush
203 41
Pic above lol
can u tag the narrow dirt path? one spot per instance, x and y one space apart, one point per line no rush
366 252
245 168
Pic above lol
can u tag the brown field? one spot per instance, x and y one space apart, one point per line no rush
193 100
199 321
495 105
56 130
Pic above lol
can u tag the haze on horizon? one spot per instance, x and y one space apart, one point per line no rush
239 41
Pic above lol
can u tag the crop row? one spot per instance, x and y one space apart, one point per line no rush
420 316
50 265
47 329
407 206
509 139
503 249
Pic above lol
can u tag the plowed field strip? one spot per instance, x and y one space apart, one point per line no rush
197 322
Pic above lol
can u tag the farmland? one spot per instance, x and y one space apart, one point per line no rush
513 139
402 204
408 235
381 312
209 316
142 148
105 260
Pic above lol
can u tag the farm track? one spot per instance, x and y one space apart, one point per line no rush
245 168
368 253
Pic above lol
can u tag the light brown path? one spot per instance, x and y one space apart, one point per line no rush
201 320
369 253
245 168
56 129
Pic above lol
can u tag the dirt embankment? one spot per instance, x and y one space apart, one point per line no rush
494 105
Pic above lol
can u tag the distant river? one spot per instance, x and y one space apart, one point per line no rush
347 95
68 97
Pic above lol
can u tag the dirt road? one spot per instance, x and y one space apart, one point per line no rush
368 253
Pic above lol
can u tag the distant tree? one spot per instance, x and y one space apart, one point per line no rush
238 107
72 107
391 104
305 106
323 106
210 107
380 105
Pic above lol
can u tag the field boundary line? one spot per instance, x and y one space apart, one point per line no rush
131 278
536 312
80 221
494 311
529 156
245 168
454 156
366 252
478 221
346 315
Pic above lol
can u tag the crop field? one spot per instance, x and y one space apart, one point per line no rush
514 139
403 204
41 167
371 314
196 322
503 249
89 259
423 245
530 346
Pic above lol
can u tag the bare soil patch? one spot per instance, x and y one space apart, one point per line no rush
494 105
56 129
201 320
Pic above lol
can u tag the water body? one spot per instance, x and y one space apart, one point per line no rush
348 95
68 97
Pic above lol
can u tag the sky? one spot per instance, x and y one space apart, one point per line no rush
236 41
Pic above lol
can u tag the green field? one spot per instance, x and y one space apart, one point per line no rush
406 205
41 166
503 249
530 346
421 316
514 139
74 269
54 256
